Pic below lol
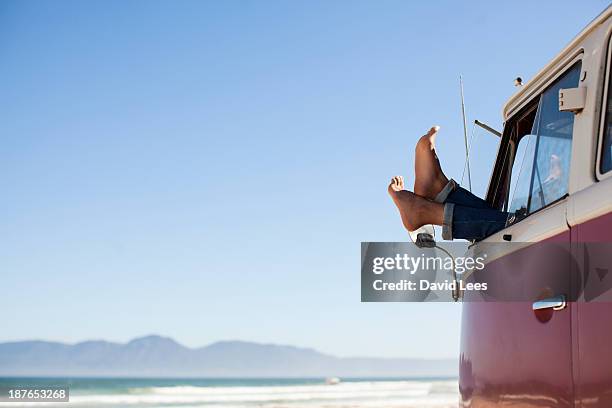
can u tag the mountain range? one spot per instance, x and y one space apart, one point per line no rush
156 356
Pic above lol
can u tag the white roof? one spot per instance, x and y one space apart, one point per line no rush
518 95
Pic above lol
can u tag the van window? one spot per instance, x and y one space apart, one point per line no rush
606 148
541 166
521 173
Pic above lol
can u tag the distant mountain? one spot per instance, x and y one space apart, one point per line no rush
156 356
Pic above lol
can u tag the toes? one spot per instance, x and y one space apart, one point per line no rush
427 141
397 183
434 129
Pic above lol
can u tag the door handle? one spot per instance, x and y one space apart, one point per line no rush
554 303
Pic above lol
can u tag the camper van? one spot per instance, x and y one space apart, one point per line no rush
553 170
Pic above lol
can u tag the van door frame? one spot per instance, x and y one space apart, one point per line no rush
527 230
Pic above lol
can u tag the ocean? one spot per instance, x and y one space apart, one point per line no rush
248 393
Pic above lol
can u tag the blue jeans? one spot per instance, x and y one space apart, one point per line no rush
467 216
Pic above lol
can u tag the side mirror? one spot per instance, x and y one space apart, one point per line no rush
424 237
425 240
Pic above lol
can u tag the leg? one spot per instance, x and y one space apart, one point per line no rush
461 196
457 220
415 211
471 223
429 179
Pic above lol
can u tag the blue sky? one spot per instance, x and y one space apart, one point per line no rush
206 170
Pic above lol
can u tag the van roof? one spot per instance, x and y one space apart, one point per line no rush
518 95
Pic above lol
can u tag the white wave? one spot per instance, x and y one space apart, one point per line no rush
346 387
405 394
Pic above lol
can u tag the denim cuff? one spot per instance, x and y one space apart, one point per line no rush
447 223
448 188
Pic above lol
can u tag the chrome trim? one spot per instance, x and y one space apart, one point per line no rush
554 303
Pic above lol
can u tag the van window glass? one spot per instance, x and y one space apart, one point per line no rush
540 172
521 174
606 148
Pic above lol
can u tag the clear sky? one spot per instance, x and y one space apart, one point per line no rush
206 170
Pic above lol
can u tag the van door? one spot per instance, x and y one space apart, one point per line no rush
590 219
510 354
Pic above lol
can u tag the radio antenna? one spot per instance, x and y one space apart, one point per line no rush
465 137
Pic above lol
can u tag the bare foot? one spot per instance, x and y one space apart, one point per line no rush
428 140
415 211
429 178
397 183
433 132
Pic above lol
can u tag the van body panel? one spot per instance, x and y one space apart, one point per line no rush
593 318
509 357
